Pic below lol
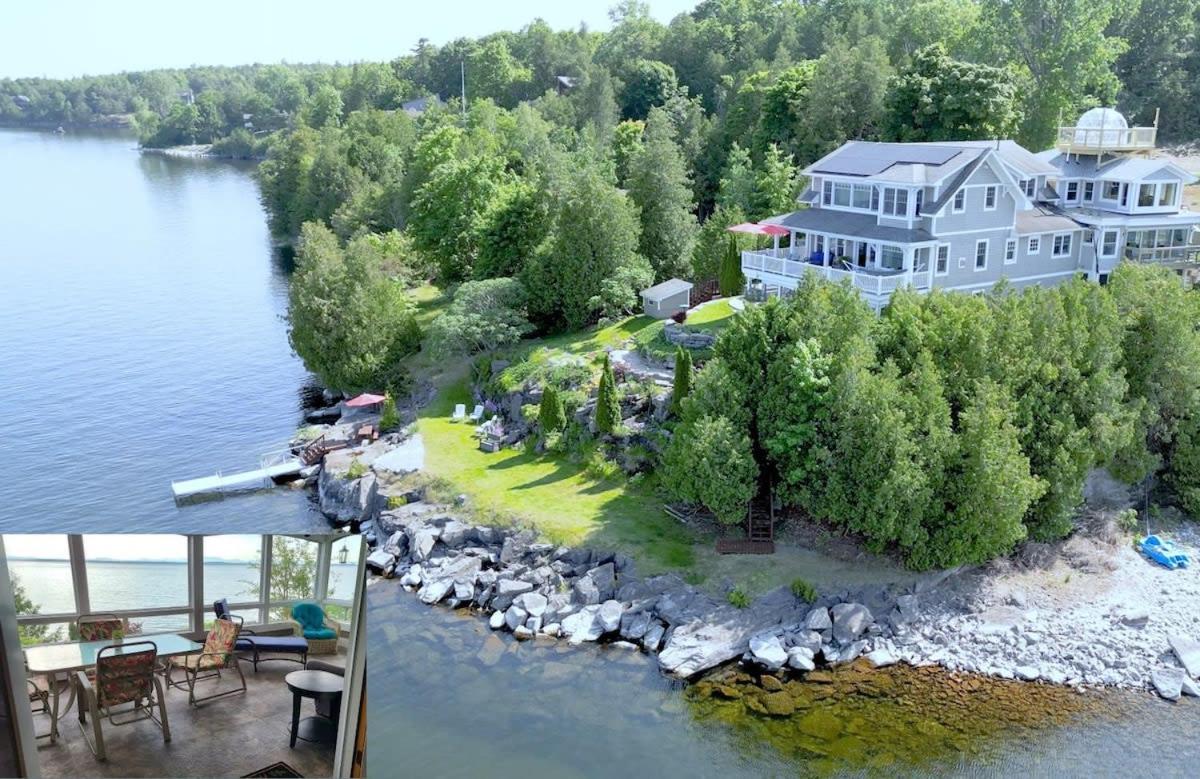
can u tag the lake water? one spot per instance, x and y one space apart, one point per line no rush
145 585
452 698
140 315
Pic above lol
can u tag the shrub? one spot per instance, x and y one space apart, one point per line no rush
710 462
601 468
803 590
550 415
356 470
679 317
683 379
1127 520
738 598
388 418
608 405
396 501
484 316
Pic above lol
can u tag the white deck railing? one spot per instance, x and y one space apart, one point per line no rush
878 282
1189 253
1106 138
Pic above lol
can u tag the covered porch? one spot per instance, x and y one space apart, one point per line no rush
876 268
1176 246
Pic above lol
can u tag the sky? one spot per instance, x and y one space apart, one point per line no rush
77 37
135 547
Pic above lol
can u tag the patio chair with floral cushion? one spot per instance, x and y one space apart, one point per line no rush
125 674
100 627
217 655
309 620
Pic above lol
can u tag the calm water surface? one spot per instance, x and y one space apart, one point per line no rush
451 698
140 305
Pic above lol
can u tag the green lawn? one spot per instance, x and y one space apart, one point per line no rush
551 493
712 318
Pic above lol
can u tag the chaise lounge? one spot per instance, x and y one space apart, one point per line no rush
293 648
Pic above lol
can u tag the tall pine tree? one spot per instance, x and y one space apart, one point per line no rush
658 183
683 379
730 279
608 405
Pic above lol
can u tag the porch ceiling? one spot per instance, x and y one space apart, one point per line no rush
864 226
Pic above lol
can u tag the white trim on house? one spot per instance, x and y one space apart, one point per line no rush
986 244
988 284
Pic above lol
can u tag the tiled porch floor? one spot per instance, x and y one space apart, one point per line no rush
226 737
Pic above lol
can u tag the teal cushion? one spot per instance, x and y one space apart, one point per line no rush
319 633
310 617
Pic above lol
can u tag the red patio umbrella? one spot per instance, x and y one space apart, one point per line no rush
758 229
365 399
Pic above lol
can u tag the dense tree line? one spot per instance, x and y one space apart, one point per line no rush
952 426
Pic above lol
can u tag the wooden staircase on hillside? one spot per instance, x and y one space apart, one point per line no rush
760 535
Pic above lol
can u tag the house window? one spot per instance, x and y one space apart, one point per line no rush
1089 191
841 194
874 198
1166 194
827 193
891 257
989 198
1145 195
921 260
960 201
819 245
943 259
917 205
1010 251
1124 195
862 197
1072 191
895 201
1108 243
1062 245
1035 245
1028 186
981 252
1112 190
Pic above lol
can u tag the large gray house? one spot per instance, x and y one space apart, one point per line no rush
962 215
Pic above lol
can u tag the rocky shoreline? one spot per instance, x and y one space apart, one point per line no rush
1129 625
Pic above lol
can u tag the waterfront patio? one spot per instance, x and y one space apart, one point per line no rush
301 702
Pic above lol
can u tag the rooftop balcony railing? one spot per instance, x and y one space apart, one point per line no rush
1100 139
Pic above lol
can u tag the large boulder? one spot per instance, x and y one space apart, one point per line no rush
818 619
534 603
381 561
421 539
507 591
634 624
1168 682
850 620
455 534
654 636
768 651
583 625
605 579
722 633
343 499
1188 652
434 591
586 591
801 658
515 616
609 615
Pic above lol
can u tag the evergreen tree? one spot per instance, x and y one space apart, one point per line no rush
775 185
730 280
658 184
388 418
683 379
551 416
608 405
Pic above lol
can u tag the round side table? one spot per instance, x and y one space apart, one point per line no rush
320 686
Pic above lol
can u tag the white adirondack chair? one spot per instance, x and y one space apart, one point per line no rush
477 413
460 413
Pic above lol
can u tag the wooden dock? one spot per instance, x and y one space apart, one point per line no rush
258 478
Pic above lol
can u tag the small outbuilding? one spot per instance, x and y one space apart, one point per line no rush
664 299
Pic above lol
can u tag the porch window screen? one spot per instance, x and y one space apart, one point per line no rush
891 257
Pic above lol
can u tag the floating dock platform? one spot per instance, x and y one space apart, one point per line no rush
258 478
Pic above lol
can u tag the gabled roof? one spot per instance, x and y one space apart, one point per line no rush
1116 169
666 289
928 209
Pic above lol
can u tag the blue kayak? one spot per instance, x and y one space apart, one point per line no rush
1164 553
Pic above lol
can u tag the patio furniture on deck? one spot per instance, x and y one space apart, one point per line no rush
309 620
324 706
320 686
295 649
53 660
217 654
125 673
100 627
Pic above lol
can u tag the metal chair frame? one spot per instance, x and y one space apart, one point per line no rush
141 709
193 675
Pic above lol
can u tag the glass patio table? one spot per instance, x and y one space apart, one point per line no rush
53 660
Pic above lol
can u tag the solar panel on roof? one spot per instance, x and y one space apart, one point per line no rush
869 159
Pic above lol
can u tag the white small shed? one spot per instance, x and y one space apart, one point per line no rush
664 299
